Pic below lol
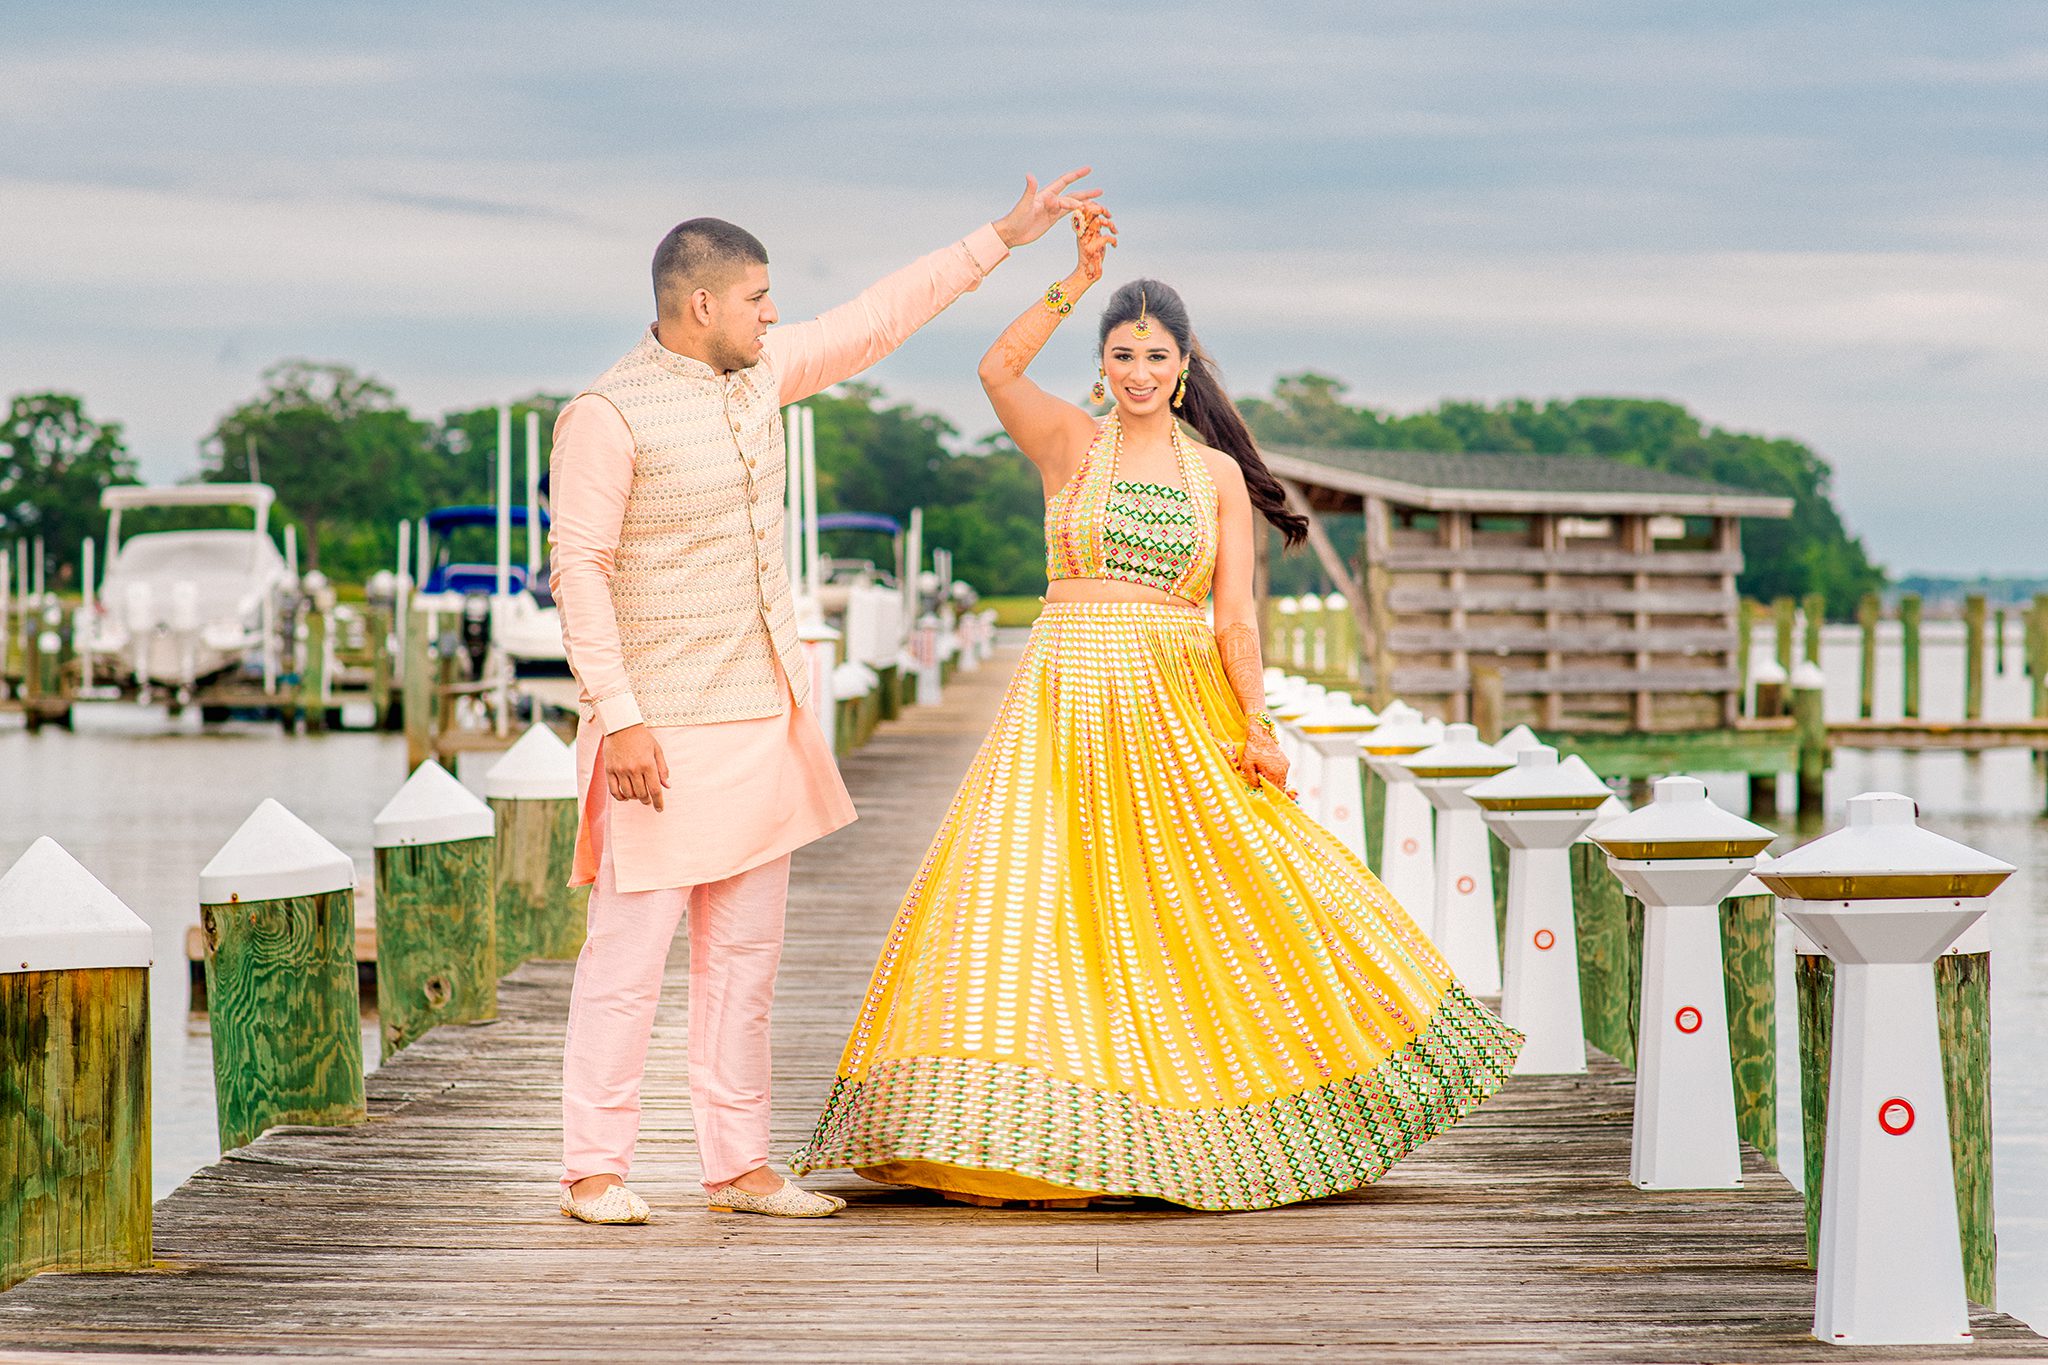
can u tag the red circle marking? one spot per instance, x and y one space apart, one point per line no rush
1545 940
1342 813
1688 1020
1410 847
1895 1116
1466 886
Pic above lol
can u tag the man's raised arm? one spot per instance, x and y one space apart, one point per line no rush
814 355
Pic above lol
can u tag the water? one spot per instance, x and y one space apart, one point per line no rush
144 809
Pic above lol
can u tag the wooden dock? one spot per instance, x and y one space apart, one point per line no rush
430 1232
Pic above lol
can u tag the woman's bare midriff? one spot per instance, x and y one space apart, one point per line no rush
1109 590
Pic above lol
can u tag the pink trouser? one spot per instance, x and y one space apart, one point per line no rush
735 945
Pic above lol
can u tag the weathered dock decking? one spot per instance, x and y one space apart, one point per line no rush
430 1233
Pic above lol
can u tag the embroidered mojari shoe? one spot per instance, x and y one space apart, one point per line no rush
616 1204
787 1202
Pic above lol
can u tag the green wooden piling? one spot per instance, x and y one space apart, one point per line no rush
1749 928
437 939
1909 653
1609 974
1998 642
74 1072
281 996
1815 610
1745 637
532 794
1373 791
313 685
1973 656
1868 613
1784 611
416 691
377 636
1815 978
1813 748
1962 1003
1498 853
2039 621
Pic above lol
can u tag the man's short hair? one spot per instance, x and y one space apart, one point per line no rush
704 253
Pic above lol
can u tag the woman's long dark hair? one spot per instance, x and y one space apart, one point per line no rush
1207 408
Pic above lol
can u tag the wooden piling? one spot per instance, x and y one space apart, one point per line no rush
377 633
277 911
2039 666
1868 613
1745 639
1909 653
1498 856
1962 1002
1973 656
74 1072
1962 1005
890 692
1815 611
1489 701
1749 960
313 677
532 795
437 939
1609 972
1784 611
416 689
1812 725
1998 642
1373 794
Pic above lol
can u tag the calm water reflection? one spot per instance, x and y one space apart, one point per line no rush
144 809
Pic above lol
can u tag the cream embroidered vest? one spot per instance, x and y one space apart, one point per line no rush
700 587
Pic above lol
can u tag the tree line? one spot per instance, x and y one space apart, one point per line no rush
349 462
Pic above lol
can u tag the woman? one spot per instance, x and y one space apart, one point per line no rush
1130 965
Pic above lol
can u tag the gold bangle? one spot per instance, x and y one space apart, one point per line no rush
1056 298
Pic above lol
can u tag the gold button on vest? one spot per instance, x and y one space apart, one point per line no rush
702 614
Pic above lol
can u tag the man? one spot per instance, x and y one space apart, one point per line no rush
698 774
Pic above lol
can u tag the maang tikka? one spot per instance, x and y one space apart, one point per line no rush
1142 328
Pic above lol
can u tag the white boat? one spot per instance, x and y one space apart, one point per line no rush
178 608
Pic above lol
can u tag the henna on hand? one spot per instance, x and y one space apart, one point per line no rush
1238 645
1094 233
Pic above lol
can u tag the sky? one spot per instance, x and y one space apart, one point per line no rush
1823 220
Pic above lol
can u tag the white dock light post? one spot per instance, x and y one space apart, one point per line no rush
1408 835
1310 732
1681 855
1537 808
1463 928
1883 898
1332 736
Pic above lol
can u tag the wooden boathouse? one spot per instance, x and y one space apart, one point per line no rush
1591 599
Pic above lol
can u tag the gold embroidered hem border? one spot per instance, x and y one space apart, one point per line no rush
965 1111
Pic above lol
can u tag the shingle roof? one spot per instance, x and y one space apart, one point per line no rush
1466 477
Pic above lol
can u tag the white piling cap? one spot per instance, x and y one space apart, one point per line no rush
1884 854
538 767
1807 677
272 857
1394 738
1750 886
1518 739
432 808
1767 670
57 917
1613 808
1539 776
1460 753
1680 823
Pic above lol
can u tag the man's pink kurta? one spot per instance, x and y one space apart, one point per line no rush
741 793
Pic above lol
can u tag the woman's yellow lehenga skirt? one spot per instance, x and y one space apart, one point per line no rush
1120 971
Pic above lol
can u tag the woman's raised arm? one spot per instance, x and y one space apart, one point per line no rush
1052 433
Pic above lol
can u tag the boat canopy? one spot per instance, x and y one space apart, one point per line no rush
860 521
444 519
125 497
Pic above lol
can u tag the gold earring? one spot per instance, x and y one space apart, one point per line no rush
1180 393
1100 393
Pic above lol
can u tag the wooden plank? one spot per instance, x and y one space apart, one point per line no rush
1564 639
1414 681
1480 599
430 1233
1749 749
1938 734
1403 558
